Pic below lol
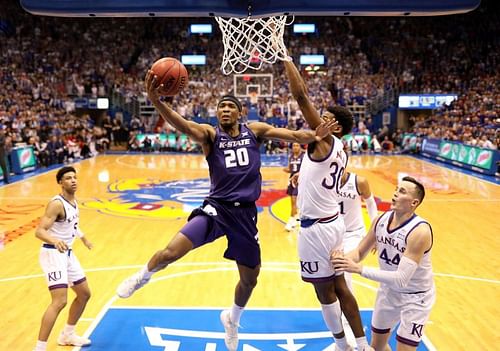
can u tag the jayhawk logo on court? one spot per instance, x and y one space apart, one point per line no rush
154 198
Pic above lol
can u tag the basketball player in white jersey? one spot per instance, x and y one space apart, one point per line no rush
322 227
407 293
353 190
58 229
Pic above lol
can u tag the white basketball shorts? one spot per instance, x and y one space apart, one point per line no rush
61 269
411 310
315 244
353 238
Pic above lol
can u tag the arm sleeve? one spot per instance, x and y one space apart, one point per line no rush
399 278
371 206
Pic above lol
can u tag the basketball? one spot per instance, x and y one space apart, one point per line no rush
172 74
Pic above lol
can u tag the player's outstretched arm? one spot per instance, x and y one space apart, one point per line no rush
266 131
53 210
200 133
299 92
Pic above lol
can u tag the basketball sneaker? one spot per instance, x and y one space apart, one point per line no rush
72 340
349 348
231 337
131 284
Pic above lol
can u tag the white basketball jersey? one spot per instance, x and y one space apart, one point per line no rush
350 204
66 229
391 246
319 182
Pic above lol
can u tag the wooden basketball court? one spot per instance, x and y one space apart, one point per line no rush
131 205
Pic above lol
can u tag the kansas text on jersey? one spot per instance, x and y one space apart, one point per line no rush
66 228
391 245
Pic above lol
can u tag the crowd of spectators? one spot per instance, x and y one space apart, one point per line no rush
46 62
472 119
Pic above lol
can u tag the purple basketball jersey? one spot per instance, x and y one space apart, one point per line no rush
295 163
234 165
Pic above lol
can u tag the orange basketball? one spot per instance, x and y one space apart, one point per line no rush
172 74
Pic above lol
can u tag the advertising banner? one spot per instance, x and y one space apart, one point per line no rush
445 150
431 146
471 157
484 158
26 158
152 137
23 159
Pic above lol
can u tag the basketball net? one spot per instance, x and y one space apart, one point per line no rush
251 42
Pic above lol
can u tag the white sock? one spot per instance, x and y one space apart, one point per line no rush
41 345
341 343
361 341
146 273
332 315
236 312
69 329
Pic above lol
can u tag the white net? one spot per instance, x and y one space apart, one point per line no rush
251 42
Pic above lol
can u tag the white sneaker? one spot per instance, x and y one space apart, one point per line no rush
349 348
231 338
131 284
72 340
367 348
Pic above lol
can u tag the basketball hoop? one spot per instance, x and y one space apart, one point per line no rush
251 42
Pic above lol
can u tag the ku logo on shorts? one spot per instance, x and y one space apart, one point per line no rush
417 329
309 267
54 276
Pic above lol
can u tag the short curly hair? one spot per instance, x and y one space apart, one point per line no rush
63 171
344 117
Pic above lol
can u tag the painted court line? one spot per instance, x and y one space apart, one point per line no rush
230 267
247 336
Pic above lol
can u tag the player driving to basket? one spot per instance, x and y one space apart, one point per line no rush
232 152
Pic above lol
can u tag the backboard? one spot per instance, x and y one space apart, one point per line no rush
244 8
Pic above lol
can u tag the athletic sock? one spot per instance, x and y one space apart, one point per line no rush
146 273
236 312
361 341
69 329
41 345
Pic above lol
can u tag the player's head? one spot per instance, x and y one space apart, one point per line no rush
66 177
408 196
228 110
296 148
343 117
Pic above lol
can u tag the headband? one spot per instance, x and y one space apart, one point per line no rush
232 99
